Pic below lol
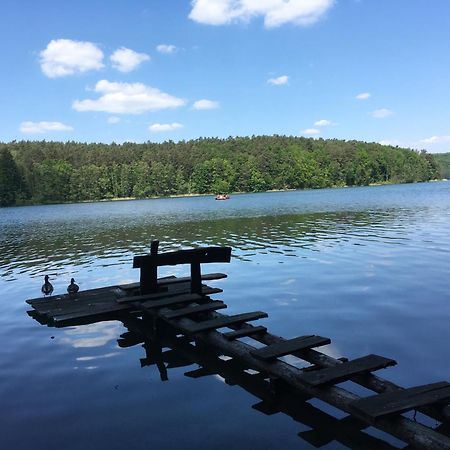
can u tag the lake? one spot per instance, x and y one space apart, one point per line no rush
368 267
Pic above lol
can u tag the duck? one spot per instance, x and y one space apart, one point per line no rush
73 288
47 287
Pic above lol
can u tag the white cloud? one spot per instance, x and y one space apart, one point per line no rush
64 57
275 12
363 96
166 48
125 60
161 127
436 140
113 119
43 127
322 123
283 79
381 113
127 98
205 104
311 131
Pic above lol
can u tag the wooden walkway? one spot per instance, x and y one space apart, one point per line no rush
176 312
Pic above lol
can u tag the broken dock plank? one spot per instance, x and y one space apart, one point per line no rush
402 400
223 322
163 295
290 346
245 332
204 277
172 301
176 280
344 371
93 312
191 310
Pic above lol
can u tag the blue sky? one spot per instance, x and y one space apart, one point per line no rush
103 71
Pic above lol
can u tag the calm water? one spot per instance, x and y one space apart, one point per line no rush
368 267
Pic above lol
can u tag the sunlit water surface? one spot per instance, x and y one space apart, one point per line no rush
368 267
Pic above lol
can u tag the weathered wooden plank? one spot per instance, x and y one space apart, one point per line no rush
236 334
224 321
289 346
402 400
79 306
190 310
205 277
171 301
163 281
149 274
49 302
162 295
344 371
198 255
77 315
403 428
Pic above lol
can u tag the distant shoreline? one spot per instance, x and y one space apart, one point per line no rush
120 199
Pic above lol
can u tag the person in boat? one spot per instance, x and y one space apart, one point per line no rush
222 197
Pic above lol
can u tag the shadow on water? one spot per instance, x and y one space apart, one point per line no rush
165 350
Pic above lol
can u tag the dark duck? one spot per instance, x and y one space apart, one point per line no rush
73 288
47 287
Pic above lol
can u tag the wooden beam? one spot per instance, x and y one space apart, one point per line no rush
289 346
196 277
171 301
337 374
403 400
223 322
161 295
231 335
149 273
204 277
191 310
198 255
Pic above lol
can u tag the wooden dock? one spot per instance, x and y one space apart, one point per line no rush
179 313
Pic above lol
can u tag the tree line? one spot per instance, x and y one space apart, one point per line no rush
443 161
33 172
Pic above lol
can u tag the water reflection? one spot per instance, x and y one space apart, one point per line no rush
91 335
166 351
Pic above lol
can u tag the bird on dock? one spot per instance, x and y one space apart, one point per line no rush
47 287
73 288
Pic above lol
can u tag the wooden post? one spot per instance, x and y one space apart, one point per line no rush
149 274
196 278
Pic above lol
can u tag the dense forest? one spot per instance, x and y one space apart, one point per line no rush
443 161
50 172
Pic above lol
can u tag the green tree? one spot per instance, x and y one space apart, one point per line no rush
10 182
